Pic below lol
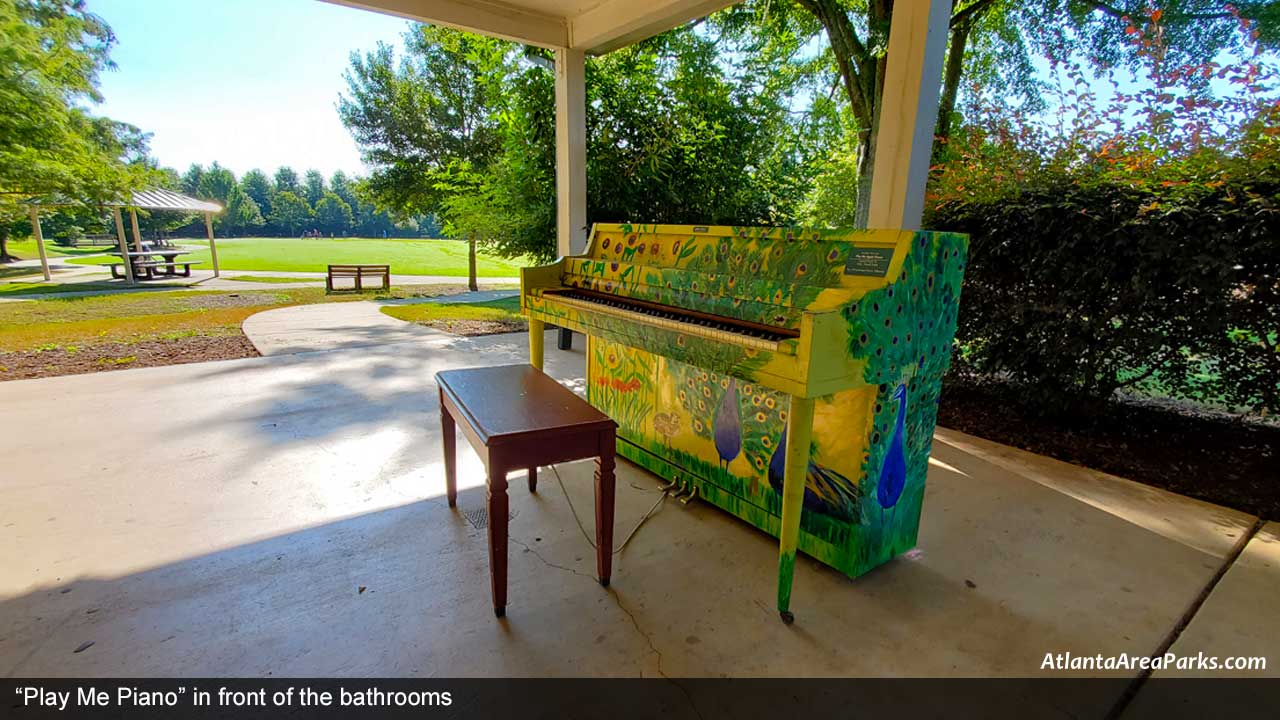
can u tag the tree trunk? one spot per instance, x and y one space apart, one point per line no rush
951 78
5 257
471 263
862 71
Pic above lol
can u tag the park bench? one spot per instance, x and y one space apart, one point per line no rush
358 273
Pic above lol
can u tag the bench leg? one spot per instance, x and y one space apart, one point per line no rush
498 535
604 509
450 455
533 479
358 287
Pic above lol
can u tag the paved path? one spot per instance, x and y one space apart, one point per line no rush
274 490
333 326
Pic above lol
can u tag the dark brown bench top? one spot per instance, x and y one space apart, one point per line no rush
505 402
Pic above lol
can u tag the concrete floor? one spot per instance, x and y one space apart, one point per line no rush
284 515
338 326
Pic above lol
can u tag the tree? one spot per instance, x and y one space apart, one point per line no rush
287 180
257 185
420 120
370 221
191 180
217 184
333 214
242 215
313 187
993 41
290 212
342 186
50 57
672 136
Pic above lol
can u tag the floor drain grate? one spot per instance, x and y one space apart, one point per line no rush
479 517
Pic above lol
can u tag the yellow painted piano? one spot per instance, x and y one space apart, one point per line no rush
789 376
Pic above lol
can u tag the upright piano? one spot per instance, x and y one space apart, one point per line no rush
789 376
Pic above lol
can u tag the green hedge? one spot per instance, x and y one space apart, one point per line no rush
1080 286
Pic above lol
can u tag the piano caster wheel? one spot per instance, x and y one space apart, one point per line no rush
787 617
692 494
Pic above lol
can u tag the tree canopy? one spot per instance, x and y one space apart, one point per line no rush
672 136
995 44
51 53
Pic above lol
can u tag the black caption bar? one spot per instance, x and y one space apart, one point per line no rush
800 699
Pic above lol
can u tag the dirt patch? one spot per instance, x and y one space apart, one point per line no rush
471 328
230 300
99 357
1206 455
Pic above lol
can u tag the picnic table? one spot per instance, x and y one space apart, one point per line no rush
145 267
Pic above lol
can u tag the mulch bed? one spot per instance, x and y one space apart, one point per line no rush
1189 451
99 357
471 328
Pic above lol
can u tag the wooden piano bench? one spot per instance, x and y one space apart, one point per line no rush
518 418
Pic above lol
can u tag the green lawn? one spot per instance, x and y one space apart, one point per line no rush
26 249
7 272
406 257
38 287
464 318
504 309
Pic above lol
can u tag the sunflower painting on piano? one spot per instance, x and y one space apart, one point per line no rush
715 330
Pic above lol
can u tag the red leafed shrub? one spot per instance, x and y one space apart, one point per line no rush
1135 246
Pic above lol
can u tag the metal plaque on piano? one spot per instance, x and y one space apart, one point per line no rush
868 261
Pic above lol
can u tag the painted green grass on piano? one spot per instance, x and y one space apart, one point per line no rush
819 526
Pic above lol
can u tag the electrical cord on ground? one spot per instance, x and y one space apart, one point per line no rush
651 512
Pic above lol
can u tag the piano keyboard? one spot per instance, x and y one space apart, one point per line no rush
673 318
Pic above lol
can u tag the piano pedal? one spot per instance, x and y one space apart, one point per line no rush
671 486
693 494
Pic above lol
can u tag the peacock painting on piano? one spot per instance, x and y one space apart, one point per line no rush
717 348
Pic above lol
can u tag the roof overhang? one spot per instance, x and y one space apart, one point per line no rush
594 26
151 199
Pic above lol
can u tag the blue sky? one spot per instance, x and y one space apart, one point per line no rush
248 83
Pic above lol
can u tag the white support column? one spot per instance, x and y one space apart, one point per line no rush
213 248
124 246
908 113
571 151
137 234
35 230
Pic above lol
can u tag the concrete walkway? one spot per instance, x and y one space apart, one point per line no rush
284 515
335 326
